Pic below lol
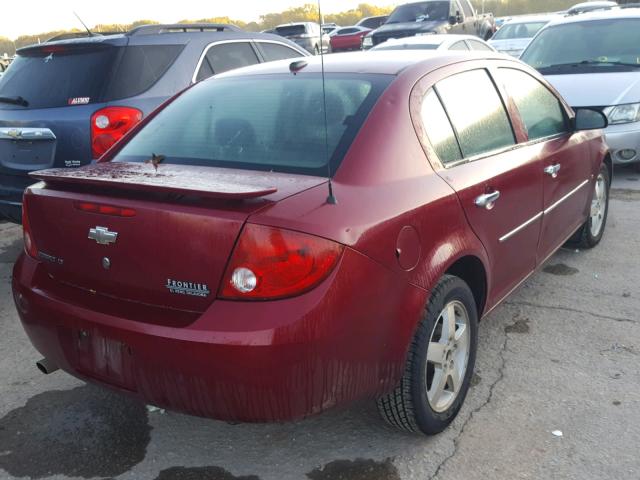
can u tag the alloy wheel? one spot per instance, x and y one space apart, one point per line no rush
598 206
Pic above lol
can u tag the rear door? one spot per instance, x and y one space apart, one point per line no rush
565 157
499 185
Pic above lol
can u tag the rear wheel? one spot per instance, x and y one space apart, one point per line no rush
439 364
592 231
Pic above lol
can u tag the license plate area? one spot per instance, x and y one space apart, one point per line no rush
27 149
105 359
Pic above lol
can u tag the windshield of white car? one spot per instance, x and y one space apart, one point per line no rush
514 31
420 12
584 47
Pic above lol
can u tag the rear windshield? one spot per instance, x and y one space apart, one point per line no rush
420 12
50 77
291 30
261 122
519 30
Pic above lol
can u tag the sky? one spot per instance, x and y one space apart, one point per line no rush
38 16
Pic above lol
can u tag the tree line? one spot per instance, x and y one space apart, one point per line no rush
305 13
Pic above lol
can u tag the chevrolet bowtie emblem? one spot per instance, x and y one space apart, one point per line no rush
102 235
14 133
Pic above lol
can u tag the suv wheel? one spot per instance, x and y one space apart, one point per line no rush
439 364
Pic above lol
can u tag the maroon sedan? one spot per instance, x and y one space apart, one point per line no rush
207 265
348 38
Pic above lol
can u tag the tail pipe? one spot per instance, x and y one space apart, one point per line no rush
46 366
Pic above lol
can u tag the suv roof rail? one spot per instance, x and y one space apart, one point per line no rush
183 28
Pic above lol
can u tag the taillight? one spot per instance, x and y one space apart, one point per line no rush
109 125
270 263
29 243
105 209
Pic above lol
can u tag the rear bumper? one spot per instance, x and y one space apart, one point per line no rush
241 361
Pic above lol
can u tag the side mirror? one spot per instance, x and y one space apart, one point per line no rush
453 20
588 119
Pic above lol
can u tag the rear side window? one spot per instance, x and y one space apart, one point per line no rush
476 112
541 112
459 46
439 130
276 51
226 56
261 122
479 46
140 68
47 79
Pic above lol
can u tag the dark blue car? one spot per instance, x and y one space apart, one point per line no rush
63 103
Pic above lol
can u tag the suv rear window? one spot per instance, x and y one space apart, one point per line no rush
261 122
53 79
56 77
290 30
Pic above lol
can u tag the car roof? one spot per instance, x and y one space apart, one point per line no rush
373 62
530 19
436 39
595 16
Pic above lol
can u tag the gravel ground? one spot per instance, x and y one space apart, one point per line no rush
561 355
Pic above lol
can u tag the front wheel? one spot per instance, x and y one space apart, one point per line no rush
439 364
316 50
592 231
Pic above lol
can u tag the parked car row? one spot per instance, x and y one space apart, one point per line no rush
224 253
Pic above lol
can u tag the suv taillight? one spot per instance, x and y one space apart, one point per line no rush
270 263
109 125
29 243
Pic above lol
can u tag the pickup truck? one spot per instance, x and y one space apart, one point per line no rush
433 16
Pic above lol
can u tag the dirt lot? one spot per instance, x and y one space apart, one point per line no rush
561 355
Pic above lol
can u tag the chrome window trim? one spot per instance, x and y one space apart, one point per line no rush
520 228
566 197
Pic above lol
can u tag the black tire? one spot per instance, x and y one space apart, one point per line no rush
316 50
585 237
408 407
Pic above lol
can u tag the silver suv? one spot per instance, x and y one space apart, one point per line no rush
308 35
593 61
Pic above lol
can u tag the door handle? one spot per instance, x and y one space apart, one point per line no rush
552 170
488 200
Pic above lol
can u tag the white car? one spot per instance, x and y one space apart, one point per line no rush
516 34
585 7
436 42
593 60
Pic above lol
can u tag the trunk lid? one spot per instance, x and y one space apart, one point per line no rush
173 250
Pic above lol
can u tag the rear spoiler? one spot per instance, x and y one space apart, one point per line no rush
206 182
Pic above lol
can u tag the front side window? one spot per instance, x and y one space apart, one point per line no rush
477 113
541 112
519 30
261 122
466 7
439 130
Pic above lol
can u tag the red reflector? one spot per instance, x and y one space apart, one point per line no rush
29 244
109 125
105 209
270 263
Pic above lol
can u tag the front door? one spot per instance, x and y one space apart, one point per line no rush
499 185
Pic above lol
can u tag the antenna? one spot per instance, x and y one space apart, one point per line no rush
84 25
331 199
